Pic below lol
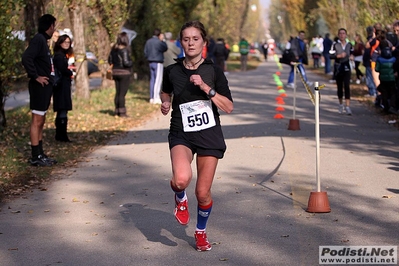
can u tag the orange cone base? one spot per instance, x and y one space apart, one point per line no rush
293 124
318 202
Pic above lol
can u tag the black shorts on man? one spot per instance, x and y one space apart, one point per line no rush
40 96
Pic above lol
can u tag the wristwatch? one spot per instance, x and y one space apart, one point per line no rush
211 93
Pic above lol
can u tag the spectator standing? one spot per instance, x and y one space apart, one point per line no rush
342 51
226 58
395 29
220 53
316 50
173 51
298 48
391 36
374 51
265 49
358 52
40 69
327 42
62 95
153 52
244 50
395 53
178 44
121 61
367 64
200 89
385 67
211 49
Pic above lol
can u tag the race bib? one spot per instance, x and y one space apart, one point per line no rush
197 115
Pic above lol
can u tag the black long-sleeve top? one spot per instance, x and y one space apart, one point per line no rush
37 58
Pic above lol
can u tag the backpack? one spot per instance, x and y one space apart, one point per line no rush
288 56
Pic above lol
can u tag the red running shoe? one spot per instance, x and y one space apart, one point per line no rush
201 241
181 212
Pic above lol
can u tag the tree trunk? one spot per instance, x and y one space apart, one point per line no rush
103 47
33 10
3 120
244 17
82 79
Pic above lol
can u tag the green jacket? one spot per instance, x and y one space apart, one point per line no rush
244 47
385 67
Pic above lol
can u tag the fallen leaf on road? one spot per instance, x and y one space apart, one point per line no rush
387 196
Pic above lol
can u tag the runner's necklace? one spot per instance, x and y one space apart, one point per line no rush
193 65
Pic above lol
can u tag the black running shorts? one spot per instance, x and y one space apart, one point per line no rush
208 142
40 97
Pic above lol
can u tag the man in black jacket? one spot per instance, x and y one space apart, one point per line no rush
221 53
39 67
327 43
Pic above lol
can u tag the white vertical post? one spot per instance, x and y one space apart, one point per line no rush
317 133
294 104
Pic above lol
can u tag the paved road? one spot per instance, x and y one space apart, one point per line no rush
116 207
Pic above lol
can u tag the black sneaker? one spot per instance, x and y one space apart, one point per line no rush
40 161
51 160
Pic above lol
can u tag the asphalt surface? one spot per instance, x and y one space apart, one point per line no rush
116 208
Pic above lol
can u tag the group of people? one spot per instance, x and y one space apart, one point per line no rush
192 86
49 77
382 70
379 55
194 89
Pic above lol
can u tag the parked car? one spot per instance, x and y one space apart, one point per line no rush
92 63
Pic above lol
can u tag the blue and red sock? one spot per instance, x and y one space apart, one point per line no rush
203 215
180 193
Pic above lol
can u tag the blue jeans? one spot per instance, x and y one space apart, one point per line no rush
370 82
301 69
327 63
